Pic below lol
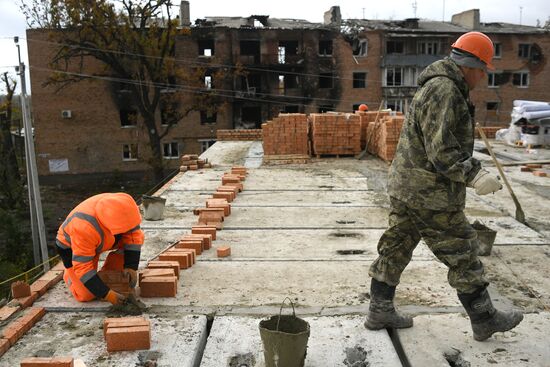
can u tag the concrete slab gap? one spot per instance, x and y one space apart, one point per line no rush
394 337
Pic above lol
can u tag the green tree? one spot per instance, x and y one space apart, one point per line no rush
135 42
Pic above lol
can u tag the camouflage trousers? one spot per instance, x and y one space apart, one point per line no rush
449 236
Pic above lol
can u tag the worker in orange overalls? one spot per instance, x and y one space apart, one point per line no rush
104 222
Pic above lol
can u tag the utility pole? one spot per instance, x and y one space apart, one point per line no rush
414 6
363 13
443 18
520 14
35 202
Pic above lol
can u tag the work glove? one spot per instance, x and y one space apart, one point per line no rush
114 298
132 276
485 183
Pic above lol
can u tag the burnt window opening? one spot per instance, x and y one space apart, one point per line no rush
325 80
359 80
252 114
494 80
326 108
395 47
288 81
128 117
168 113
170 150
251 83
520 79
208 117
250 48
287 48
129 152
492 106
291 109
524 50
498 50
325 48
208 81
536 53
361 48
206 48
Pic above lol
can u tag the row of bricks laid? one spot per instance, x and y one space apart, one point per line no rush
12 332
52 362
191 162
536 169
286 134
239 134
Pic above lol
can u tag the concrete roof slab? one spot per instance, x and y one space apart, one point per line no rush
176 340
333 341
426 343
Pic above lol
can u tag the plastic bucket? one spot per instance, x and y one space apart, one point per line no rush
284 338
485 238
153 207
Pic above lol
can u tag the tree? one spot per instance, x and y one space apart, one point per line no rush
135 42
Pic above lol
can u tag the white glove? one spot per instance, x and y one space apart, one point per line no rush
484 183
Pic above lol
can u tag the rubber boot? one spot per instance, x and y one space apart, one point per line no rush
485 319
382 313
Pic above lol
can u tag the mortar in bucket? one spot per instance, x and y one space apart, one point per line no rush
485 238
284 339
153 207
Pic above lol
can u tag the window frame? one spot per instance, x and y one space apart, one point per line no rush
362 80
131 157
522 74
170 145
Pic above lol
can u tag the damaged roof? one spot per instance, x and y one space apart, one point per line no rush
261 21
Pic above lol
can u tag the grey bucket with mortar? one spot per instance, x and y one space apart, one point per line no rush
153 207
284 338
485 238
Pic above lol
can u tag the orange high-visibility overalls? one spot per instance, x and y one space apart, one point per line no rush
104 222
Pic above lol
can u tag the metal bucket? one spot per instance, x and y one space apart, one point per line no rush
485 238
284 339
153 207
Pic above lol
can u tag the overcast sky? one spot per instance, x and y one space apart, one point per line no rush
12 22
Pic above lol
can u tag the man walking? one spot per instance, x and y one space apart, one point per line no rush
427 184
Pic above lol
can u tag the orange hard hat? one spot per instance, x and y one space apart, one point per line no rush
477 44
363 107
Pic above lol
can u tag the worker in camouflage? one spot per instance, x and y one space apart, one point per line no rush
428 177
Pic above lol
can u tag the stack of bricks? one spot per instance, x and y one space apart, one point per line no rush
537 169
127 333
336 134
22 294
115 280
239 135
286 134
192 162
382 137
365 117
51 362
158 282
17 328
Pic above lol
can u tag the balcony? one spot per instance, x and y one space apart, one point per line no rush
410 60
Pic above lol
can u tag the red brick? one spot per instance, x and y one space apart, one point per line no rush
116 322
223 251
227 195
4 346
230 179
165 265
27 301
166 272
181 258
128 338
204 230
20 289
239 185
158 287
540 173
220 204
40 286
230 188
205 238
7 311
534 165
190 244
215 216
48 362
115 280
191 254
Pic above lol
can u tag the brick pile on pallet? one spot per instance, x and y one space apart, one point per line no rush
365 117
239 135
382 137
335 133
286 134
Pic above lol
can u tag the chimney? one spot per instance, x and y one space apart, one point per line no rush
468 19
185 16
333 16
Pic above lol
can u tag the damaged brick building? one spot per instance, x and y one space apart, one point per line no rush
276 65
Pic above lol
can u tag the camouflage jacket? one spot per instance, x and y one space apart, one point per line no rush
434 159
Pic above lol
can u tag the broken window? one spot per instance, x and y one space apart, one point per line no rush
128 117
250 47
208 81
252 114
251 83
170 150
325 48
498 50
521 79
129 152
361 49
359 80
492 106
208 117
281 85
395 47
524 50
206 48
326 108
168 112
325 80
205 144
494 80
287 48
394 77
428 47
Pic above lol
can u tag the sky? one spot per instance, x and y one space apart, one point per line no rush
12 22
